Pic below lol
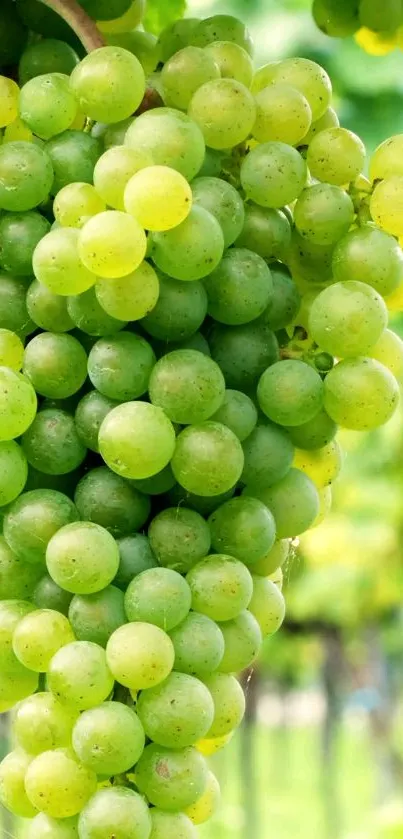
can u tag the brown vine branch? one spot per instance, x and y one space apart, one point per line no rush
85 28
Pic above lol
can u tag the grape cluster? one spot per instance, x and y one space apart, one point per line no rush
194 291
377 26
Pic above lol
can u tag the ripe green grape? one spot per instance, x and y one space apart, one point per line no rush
47 309
188 385
179 310
48 595
136 440
136 556
192 249
360 393
13 307
38 636
12 790
336 18
131 297
389 351
48 55
33 519
305 75
346 319
229 703
159 596
285 299
268 455
94 617
171 138
41 723
267 605
179 538
208 459
47 104
243 353
386 205
107 499
11 612
82 557
242 528
75 203
317 432
336 156
184 73
273 174
238 413
140 655
243 640
55 364
221 587
51 444
120 366
109 84
57 264
273 560
44 827
222 201
221 28
293 501
159 197
144 45
17 404
386 160
90 317
225 111
283 115
171 779
17 578
322 465
112 244
166 825
57 784
108 739
290 392
199 645
79 676
107 10
13 471
73 155
114 169
368 255
177 712
227 301
265 231
323 214
233 61
15 684
205 806
26 176
117 811
19 235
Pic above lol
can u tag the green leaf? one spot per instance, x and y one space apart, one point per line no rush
160 13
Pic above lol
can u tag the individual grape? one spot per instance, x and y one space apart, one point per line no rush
273 174
15 684
233 61
208 459
171 779
310 263
225 111
26 176
222 201
51 444
188 385
242 528
293 501
109 84
108 739
171 138
222 28
47 309
48 105
17 578
386 160
33 519
336 19
55 364
227 301
243 353
221 587
179 538
267 605
13 308
268 455
265 231
198 644
157 484
120 367
48 55
13 34
13 471
44 827
238 413
82 557
90 317
136 440
336 156
75 203
57 784
285 299
73 155
140 655
386 205
114 169
112 244
48 595
17 404
347 319
103 9
79 676
369 255
159 596
42 723
184 73
94 617
166 825
229 703
177 712
323 214
386 19
136 556
159 197
179 310
117 811
322 465
317 432
109 500
290 392
205 806
12 791
305 75
38 636
243 640
192 249
57 264
360 393
131 297
144 45
11 350
389 351
273 560
328 120
19 235
283 115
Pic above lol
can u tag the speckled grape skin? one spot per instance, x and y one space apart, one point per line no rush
273 174
79 676
243 528
82 557
361 394
12 790
48 310
176 713
109 739
179 538
293 501
26 176
225 111
57 265
183 74
107 499
221 587
283 115
323 214
268 454
58 784
120 366
17 404
122 84
33 519
239 289
208 459
199 645
128 437
179 311
192 249
159 596
51 444
140 655
224 202
265 231
188 385
290 392
238 413
336 156
306 75
267 605
229 703
371 256
171 138
47 104
347 319
171 779
117 811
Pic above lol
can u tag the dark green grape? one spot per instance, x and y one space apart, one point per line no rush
90 413
13 308
243 353
33 519
179 538
52 444
73 155
179 312
266 231
314 434
105 9
48 55
19 236
55 364
48 595
89 316
268 454
107 499
47 309
285 299
136 556
94 617
120 366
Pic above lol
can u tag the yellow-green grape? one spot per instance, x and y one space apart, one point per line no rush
205 806
278 577
160 596
233 61
273 174
15 684
283 114
115 812
243 641
76 203
17 130
346 319
158 197
208 459
307 76
325 506
128 21
11 350
222 28
321 465
225 111
82 557
336 156
38 636
9 95
221 587
193 249
386 204
58 785
389 351
267 605
290 392
48 105
328 120
274 559
18 404
360 393
184 73
13 471
114 169
166 825
175 36
171 138
44 827
293 501
131 297
323 214
181 781
136 440
109 84
210 745
112 244
109 739
41 722
79 675
13 796
11 612
177 712
144 45
57 264
140 655
370 256
386 160
229 704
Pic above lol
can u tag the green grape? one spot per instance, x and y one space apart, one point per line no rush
238 413
144 45
273 174
336 18
112 244
44 827
267 605
136 556
328 120
204 808
33 519
175 36
227 301
48 310
290 392
136 440
41 723
51 444
118 812
109 500
222 201
13 471
88 315
179 310
369 255
73 155
309 262
108 739
55 364
265 231
176 713
124 22
105 9
303 74
12 790
293 501
46 56
347 319
336 156
323 214
386 205
120 367
171 779
11 350
90 413
322 465
229 703
159 596
222 28
26 176
79 676
13 34
317 432
57 264
48 595
11 612
17 404
188 385
221 587
268 454
242 528
285 299
114 169
13 307
243 641
19 236
131 297
380 20
166 825
158 484
47 104
198 644
58 785
82 557
38 636
179 538
113 134
360 393
273 560
171 138
208 459
16 683
75 203
192 249
389 351
243 353
17 578
225 111
94 617
140 655
386 160
109 84
158 197
283 115
184 73
233 61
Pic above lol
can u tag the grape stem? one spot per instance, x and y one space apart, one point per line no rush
85 28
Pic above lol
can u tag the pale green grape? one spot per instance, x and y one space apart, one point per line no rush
47 309
120 367
274 559
199 645
290 392
222 28
283 115
369 255
305 75
386 160
192 249
16 683
94 617
90 317
238 413
131 297
58 785
17 578
208 459
159 197
109 84
17 404
136 440
224 202
13 471
82 557
114 169
293 501
205 806
285 299
229 703
347 319
389 351
118 812
227 301
179 310
12 791
177 712
11 350
38 636
166 825
44 827
107 499
175 36
233 61
79 676
336 156
9 94
328 120
112 244
52 445
41 723
140 655
48 595
265 231
360 393
267 605
336 18
323 214
57 263
47 55
17 131
273 174
387 205
26 176
221 587
322 465
179 538
243 528
144 45
90 413
159 596
243 640
317 432
108 739
171 779
171 138
75 203
184 73
225 111
33 519
55 364
268 455
125 21
47 104
188 385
